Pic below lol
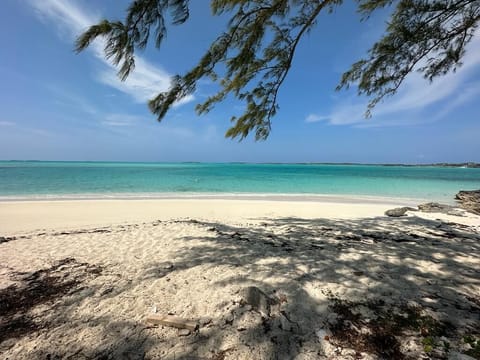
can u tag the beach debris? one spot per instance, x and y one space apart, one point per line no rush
172 321
107 289
397 212
469 200
282 298
4 239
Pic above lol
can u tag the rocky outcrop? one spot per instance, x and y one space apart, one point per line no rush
435 207
469 200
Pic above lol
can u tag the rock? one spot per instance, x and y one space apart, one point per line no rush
397 212
257 299
469 200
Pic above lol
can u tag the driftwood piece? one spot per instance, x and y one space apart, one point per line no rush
172 321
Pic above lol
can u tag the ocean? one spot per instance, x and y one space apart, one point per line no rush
58 180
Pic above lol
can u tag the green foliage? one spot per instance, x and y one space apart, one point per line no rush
425 35
252 57
428 344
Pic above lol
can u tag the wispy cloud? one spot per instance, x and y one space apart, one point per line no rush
121 120
416 95
7 123
315 118
143 83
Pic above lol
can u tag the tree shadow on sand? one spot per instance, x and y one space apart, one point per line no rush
422 272
381 287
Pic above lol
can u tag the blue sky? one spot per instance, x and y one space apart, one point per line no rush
56 105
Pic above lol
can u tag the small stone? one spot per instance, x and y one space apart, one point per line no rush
257 299
184 332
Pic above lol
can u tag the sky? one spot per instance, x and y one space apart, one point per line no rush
59 105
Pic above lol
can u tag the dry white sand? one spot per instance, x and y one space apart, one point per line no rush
24 216
195 258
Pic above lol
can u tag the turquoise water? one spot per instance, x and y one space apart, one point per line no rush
60 179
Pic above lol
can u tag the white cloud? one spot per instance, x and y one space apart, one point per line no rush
315 118
143 83
442 96
7 123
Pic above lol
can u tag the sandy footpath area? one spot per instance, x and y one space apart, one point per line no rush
263 280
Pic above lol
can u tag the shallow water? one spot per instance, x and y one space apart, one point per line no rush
26 179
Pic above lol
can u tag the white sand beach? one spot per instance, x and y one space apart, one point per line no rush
78 279
24 216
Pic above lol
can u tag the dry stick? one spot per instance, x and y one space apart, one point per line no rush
173 321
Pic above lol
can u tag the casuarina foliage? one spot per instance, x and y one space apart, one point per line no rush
252 57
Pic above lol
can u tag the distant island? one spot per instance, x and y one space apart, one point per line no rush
452 165
449 165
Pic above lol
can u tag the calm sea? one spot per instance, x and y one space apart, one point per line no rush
19 179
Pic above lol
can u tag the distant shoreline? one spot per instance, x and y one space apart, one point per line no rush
446 165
